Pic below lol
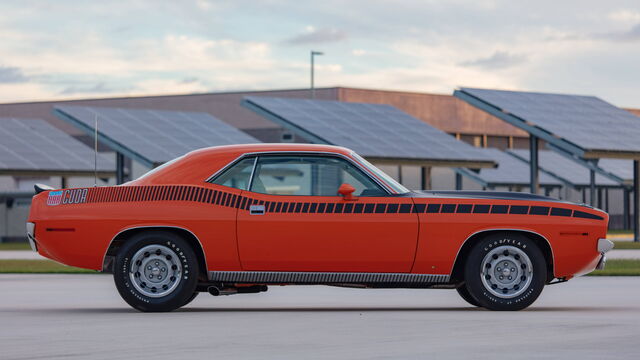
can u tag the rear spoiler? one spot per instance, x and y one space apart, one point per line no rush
42 187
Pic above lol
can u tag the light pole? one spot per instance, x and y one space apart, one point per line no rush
313 54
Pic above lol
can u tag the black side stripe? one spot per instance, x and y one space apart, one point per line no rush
509 209
586 215
222 198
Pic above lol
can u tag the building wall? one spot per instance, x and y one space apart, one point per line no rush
634 111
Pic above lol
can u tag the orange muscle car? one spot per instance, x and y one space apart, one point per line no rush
234 219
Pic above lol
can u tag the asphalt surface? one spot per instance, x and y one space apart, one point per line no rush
82 317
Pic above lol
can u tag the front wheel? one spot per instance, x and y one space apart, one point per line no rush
505 272
156 271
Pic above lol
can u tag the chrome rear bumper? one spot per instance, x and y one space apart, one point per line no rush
31 227
604 246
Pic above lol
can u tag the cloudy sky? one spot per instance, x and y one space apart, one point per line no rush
78 49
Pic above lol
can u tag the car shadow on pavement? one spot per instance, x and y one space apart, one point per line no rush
323 309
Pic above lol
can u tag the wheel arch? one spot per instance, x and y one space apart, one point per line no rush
124 235
457 273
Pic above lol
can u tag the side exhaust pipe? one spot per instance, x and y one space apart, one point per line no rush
216 291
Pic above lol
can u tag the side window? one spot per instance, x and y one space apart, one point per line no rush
310 176
238 175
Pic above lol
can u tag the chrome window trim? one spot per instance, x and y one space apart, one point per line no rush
253 171
366 172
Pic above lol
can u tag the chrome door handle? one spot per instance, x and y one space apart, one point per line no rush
256 209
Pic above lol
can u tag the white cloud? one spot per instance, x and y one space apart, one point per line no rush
25 92
204 5
167 86
181 52
626 16
317 36
499 60
144 47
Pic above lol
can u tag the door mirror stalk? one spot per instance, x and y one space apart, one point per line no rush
346 190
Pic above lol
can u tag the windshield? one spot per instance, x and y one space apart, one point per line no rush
396 186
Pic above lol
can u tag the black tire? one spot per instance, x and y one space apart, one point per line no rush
190 299
464 293
181 261
498 288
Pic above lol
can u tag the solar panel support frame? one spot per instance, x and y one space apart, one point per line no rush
588 164
105 140
551 173
636 200
458 181
534 183
471 175
120 175
519 123
592 187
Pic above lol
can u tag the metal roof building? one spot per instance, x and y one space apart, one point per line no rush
151 137
35 147
583 127
511 172
380 133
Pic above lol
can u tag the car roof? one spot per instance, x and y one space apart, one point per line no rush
198 165
271 147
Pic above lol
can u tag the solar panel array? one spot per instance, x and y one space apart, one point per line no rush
372 130
565 168
586 121
620 167
36 145
154 136
511 171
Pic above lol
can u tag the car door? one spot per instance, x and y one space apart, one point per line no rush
295 220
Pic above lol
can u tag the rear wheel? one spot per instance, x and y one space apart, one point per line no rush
464 293
505 272
190 299
156 271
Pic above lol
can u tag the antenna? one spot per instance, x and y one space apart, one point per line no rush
95 153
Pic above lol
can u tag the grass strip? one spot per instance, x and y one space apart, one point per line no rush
15 246
626 245
619 267
39 267
620 232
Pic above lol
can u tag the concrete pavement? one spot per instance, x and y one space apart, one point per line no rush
20 255
82 316
624 254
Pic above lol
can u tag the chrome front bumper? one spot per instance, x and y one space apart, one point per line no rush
31 231
604 246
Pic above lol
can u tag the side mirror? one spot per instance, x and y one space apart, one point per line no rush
346 191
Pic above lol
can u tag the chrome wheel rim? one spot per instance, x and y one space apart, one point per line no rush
506 271
155 271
